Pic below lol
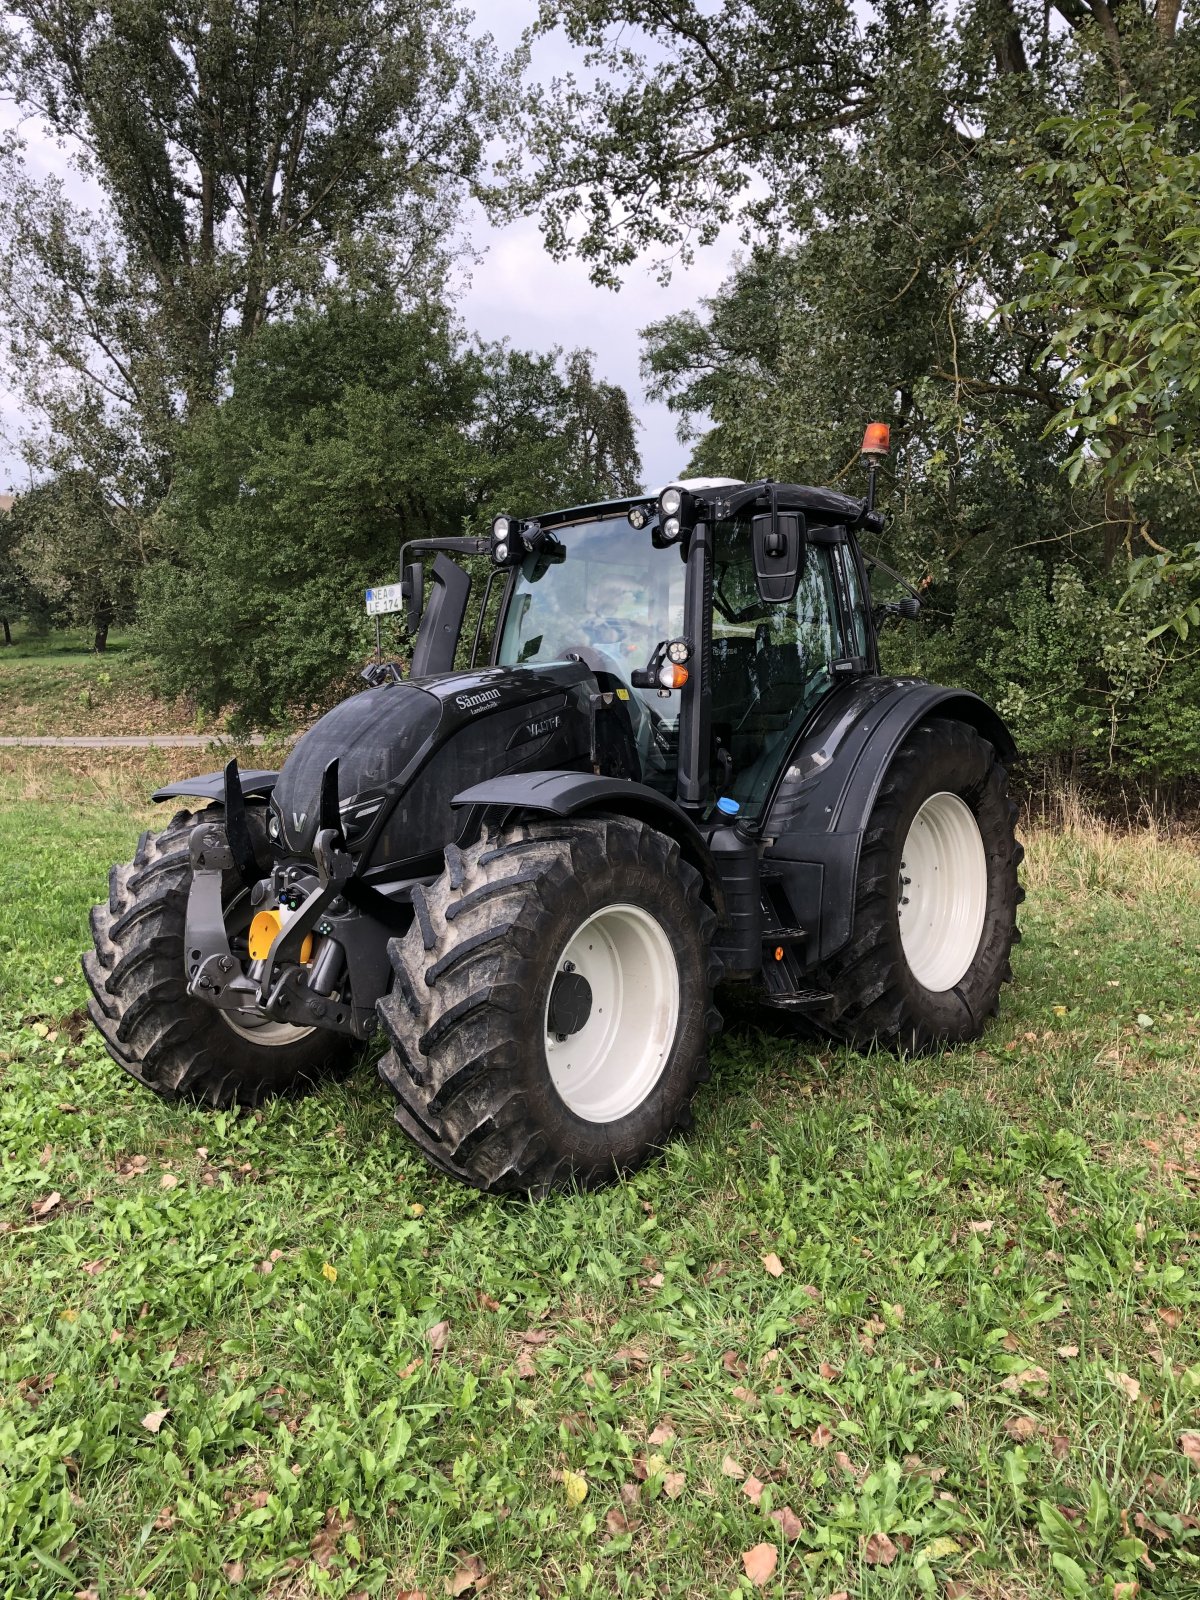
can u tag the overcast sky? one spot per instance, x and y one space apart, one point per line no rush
517 291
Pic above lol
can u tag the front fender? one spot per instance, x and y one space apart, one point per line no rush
571 794
211 786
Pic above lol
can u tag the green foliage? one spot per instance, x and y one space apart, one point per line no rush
893 270
345 433
78 553
950 1230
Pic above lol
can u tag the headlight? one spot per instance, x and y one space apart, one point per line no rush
670 502
501 527
670 528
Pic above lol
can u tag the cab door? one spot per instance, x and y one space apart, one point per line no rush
772 664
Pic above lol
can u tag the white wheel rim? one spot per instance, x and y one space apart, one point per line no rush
606 1069
268 1032
942 892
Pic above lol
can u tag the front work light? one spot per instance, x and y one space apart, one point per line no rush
670 501
507 545
877 440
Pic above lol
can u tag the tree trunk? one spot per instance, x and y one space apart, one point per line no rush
7 630
101 622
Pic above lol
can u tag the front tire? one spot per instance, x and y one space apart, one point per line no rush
936 901
552 1005
172 1043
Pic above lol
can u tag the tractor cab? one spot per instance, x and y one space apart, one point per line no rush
715 616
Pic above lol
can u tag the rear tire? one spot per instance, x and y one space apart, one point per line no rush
486 1084
172 1043
940 849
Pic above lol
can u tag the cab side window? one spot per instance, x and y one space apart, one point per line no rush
771 663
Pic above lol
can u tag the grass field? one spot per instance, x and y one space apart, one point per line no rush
878 1328
55 683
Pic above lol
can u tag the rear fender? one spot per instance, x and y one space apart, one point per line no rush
823 800
574 794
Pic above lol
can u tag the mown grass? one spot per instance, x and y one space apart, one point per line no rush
969 1378
55 683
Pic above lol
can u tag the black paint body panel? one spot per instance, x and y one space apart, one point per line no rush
211 786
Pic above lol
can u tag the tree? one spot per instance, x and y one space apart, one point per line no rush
1123 285
76 552
346 432
245 156
874 160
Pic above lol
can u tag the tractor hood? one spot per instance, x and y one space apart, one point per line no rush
404 748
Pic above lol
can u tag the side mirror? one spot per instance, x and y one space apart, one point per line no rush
778 539
412 587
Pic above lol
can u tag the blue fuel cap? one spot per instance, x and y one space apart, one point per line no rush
727 806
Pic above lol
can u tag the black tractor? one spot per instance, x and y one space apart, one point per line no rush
679 767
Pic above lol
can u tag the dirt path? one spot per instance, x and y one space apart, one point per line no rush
126 741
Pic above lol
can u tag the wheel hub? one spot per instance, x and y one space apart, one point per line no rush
570 1003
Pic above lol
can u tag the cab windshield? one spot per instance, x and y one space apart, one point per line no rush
608 591
609 595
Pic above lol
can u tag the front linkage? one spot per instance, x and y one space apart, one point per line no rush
295 980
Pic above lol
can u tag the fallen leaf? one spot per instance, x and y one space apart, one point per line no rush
673 1483
537 1336
789 1523
1126 1591
747 1396
654 1281
487 1301
1170 1316
981 1227
1189 1443
324 1542
95 1268
734 1469
48 1203
773 1265
165 1520
1030 1378
87 1594
1131 1387
752 1489
413 1365
45 1158
525 1364
830 1374
1060 1447
820 1436
329 1272
416 1209
575 1488
168 1181
1067 1352
631 1493
153 1420
437 1335
469 1576
847 1466
759 1563
663 1434
617 1522
234 1571
732 1362
1021 1428
879 1551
